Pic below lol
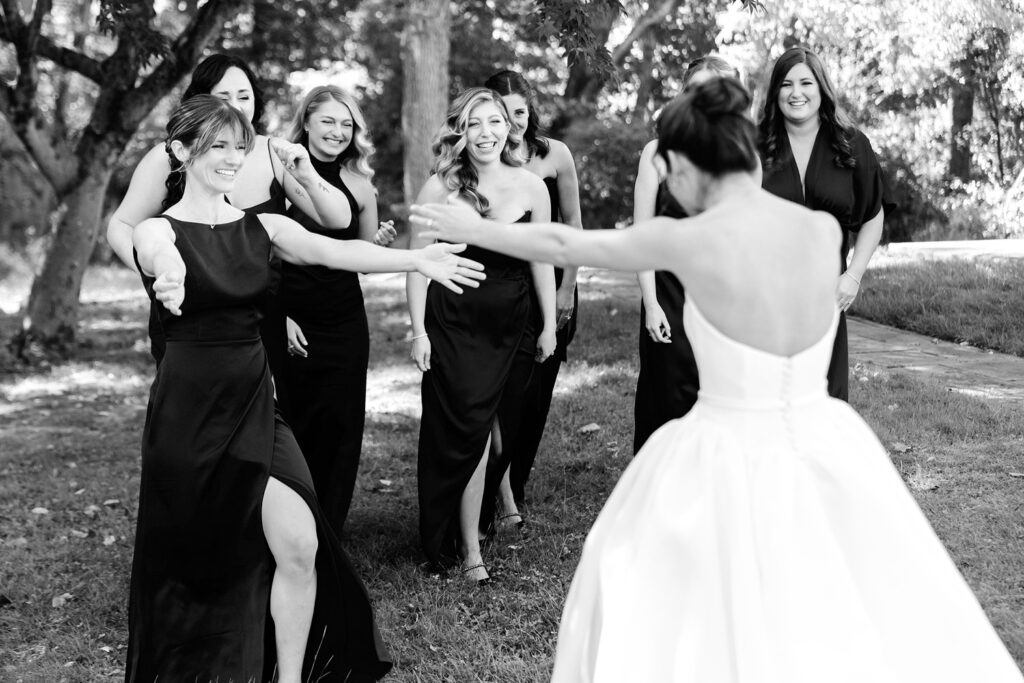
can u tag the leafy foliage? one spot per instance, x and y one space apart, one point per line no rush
131 21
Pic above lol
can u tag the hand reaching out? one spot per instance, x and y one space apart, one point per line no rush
440 263
296 339
169 290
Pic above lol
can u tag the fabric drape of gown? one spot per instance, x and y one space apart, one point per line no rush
202 569
766 537
326 390
481 356
523 445
667 385
852 195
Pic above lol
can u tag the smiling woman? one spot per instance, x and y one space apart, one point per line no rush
229 530
476 352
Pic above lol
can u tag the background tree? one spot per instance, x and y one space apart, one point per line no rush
131 65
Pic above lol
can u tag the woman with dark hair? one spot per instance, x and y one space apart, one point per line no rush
477 351
766 535
667 385
263 187
229 531
552 161
328 335
814 156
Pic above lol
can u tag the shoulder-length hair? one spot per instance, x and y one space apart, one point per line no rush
211 70
451 158
355 157
772 124
512 83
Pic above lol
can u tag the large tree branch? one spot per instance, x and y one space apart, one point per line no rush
70 59
206 25
643 25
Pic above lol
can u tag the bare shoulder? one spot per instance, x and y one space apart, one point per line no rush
560 152
155 161
650 149
433 190
360 187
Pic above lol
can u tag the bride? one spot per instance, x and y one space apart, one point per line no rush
764 537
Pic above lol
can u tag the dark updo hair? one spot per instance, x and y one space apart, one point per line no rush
710 125
512 83
835 122
712 63
209 72
196 123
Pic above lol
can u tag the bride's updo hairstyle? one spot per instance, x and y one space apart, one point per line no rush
710 124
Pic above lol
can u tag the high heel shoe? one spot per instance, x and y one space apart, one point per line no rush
512 520
476 573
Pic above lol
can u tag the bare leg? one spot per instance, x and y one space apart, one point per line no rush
291 534
508 514
469 518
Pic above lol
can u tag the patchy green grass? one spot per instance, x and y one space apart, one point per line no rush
70 446
977 300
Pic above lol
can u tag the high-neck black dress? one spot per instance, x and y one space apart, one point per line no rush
667 385
482 350
523 446
202 570
326 390
852 195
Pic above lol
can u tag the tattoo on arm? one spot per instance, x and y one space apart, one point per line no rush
324 188
299 193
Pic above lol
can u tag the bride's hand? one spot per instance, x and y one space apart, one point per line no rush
440 263
451 222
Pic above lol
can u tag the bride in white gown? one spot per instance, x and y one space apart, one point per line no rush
765 537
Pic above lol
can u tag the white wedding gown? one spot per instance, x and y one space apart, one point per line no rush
765 537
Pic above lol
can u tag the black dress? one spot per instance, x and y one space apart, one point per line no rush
202 570
667 385
522 446
852 195
272 330
482 349
326 405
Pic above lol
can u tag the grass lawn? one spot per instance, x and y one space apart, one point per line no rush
979 301
69 471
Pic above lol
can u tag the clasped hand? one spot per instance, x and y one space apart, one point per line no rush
292 154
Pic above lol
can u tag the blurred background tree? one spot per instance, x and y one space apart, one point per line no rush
938 88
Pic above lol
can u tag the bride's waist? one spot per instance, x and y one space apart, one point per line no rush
761 402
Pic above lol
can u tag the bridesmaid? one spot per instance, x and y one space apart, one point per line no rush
813 155
236 575
667 385
328 336
552 161
476 351
262 186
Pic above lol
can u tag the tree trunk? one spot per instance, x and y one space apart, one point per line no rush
960 131
645 70
52 310
425 51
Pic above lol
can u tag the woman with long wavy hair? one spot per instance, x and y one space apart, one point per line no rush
813 155
476 352
324 379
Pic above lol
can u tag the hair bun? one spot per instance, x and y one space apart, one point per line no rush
721 96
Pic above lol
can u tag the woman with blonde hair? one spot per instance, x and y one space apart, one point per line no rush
324 378
477 352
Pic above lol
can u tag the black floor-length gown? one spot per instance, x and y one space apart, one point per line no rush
481 358
202 569
523 445
852 195
326 390
667 385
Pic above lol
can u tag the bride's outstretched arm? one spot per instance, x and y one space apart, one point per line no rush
651 245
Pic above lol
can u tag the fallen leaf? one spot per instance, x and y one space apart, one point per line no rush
111 502
592 427
1019 475
901 447
91 510
62 599
107 649
79 492
40 511
385 482
79 534
109 540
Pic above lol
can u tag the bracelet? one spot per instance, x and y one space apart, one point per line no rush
847 273
418 336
